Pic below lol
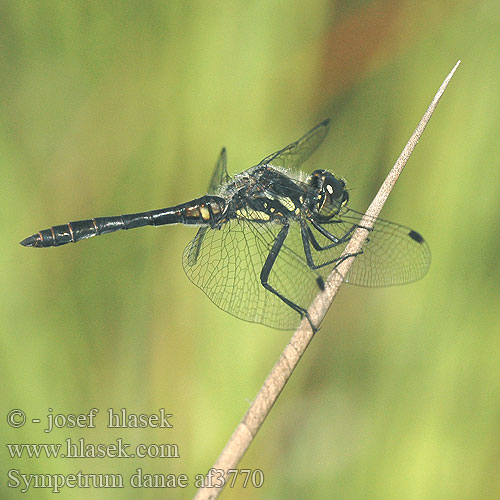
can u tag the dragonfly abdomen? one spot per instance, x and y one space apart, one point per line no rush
199 211
83 229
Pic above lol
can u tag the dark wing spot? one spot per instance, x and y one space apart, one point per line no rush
320 283
416 236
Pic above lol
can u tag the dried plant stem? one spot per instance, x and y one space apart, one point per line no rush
247 429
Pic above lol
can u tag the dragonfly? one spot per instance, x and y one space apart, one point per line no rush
269 236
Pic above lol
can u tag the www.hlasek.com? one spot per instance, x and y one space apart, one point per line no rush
83 449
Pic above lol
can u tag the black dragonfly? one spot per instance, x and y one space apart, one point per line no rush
269 237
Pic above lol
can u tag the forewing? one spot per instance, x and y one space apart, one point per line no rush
293 155
226 264
220 175
392 255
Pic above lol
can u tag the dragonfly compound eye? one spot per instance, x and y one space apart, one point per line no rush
331 194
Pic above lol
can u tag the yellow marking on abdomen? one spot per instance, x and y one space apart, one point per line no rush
205 213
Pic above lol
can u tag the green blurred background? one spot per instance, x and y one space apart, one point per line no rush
123 106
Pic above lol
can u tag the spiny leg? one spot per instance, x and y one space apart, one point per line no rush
266 271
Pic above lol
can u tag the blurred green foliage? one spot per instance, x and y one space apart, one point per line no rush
113 107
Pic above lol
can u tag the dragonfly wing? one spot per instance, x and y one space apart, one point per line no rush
220 175
192 251
392 255
226 264
293 155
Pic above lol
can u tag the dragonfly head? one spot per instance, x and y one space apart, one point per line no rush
329 194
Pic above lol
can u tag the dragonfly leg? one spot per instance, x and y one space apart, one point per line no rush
308 239
336 241
266 271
